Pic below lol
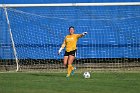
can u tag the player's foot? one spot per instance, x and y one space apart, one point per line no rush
67 76
72 72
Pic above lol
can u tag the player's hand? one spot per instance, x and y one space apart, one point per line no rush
60 51
84 33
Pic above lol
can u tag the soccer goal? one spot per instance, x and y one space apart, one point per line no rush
31 35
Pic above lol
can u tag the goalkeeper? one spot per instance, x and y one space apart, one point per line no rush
70 42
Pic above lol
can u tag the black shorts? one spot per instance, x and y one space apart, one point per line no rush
73 53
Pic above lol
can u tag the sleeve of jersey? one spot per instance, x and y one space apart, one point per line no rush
79 35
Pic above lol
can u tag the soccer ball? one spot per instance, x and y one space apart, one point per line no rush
86 75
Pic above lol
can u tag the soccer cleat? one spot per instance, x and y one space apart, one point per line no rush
72 72
67 76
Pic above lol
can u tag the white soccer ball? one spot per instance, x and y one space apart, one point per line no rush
86 75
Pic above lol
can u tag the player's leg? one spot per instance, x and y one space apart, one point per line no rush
70 61
65 61
73 53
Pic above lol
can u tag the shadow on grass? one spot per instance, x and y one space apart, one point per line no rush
48 74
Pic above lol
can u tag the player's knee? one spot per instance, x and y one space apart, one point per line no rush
66 65
64 62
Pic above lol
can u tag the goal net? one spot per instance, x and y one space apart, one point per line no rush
32 37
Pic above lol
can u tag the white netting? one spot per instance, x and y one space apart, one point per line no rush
112 41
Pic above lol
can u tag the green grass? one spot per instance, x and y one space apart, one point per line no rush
57 83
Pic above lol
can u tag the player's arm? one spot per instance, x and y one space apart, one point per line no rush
62 47
81 35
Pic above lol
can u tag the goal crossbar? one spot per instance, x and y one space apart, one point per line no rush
72 4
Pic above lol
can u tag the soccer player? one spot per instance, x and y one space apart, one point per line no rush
70 42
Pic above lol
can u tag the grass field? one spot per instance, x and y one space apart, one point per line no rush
57 83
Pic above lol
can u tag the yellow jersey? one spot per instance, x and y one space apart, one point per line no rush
70 42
